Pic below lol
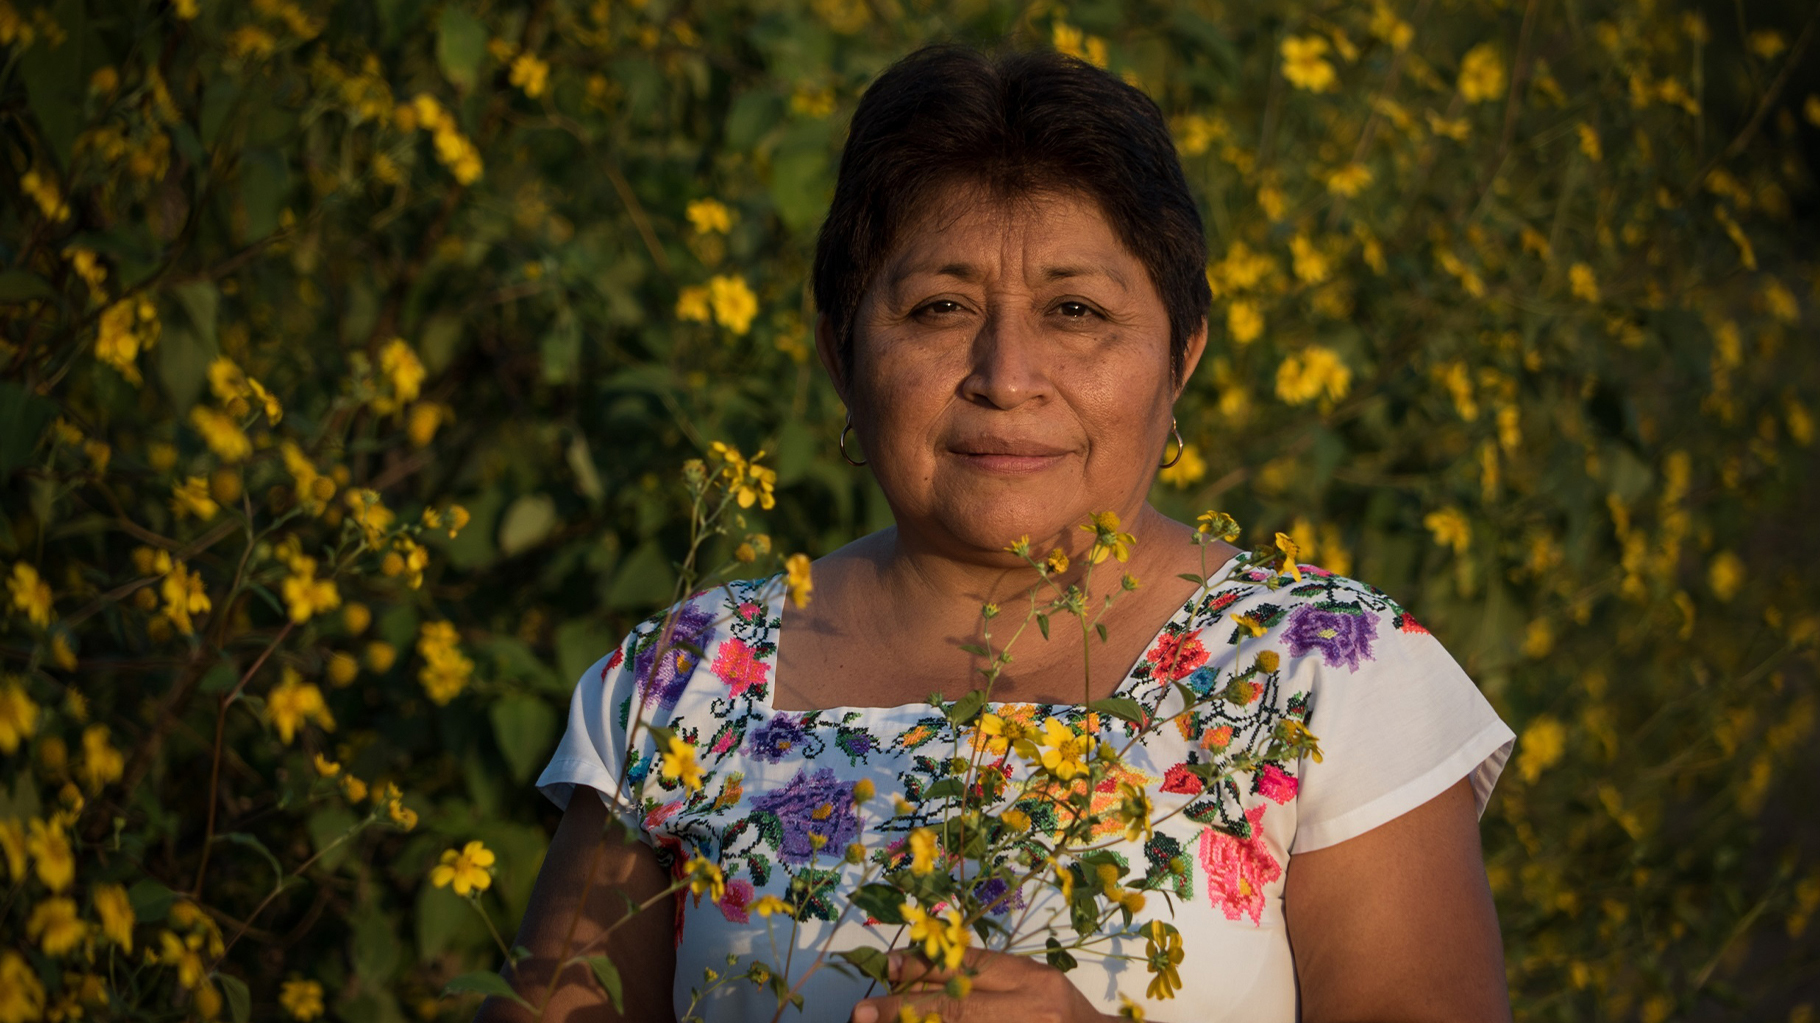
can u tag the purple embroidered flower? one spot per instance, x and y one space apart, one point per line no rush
819 804
665 682
991 892
1342 636
773 740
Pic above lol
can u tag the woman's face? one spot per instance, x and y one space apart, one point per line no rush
1010 373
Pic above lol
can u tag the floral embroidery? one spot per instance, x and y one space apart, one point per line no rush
1342 633
776 810
1275 784
1238 869
738 668
811 807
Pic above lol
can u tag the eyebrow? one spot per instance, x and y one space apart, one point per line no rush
970 274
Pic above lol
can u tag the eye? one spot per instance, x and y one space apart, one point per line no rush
939 307
1075 310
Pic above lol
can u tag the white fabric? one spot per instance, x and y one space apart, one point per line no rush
1398 721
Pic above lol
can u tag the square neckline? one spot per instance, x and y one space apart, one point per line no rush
774 590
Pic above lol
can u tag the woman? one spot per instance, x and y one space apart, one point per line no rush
1011 295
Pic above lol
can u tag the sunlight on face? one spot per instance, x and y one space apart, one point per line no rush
1010 372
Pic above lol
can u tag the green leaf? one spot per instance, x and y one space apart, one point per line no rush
56 77
220 678
239 999
560 351
1042 622
325 826
870 961
965 709
1101 629
183 364
482 982
1122 707
242 838
944 789
200 300
265 178
150 900
525 728
23 417
608 975
1191 577
881 902
461 42
374 946
800 187
1058 956
20 286
528 521
975 649
642 580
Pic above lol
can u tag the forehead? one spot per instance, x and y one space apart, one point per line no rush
968 232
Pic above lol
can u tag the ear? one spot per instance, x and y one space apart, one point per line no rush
1197 346
827 349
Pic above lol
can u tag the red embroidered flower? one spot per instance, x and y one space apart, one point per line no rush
1180 779
738 668
1239 869
1275 783
1224 601
1217 738
734 901
1176 657
618 658
1407 623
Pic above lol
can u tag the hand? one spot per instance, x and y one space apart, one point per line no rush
1006 989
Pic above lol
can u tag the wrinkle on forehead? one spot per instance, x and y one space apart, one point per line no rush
1012 216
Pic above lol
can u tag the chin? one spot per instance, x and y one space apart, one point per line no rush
991 525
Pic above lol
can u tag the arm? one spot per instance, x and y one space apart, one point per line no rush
593 870
1398 923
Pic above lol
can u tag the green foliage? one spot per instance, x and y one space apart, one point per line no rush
1511 320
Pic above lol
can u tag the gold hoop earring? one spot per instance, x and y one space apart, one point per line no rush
1179 446
843 442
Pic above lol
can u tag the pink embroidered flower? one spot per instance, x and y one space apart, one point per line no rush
661 814
734 902
728 740
1176 657
738 668
1275 783
748 611
1180 779
1239 869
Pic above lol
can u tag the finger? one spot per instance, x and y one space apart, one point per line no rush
978 1005
989 971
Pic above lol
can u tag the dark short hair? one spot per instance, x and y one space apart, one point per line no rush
1015 124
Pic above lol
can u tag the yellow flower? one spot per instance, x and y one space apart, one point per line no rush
446 669
1450 528
1305 63
301 998
125 329
1189 468
1107 539
1481 74
1163 952
224 436
1586 286
292 703
342 668
1314 372
944 938
400 814
733 302
102 764
404 375
380 656
863 790
1249 624
1015 819
467 871
923 849
12 843
796 579
1589 142
184 596
1541 747
87 265
1057 561
31 594
116 913
705 879
354 789
325 768
1219 525
530 74
55 926
44 192
692 304
1725 575
1291 551
1064 751
1244 321
21 993
765 905
680 764
1349 180
191 497
18 716
1077 44
708 216
422 420
1134 811
1310 264
1766 43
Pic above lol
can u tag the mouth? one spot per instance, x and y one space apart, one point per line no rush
1008 457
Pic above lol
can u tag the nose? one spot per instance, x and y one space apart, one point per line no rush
1008 366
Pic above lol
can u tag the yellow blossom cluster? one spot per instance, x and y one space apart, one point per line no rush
446 669
126 328
455 150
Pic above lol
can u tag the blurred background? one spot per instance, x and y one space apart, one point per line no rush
1515 317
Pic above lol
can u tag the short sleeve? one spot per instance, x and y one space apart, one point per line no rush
594 749
1397 727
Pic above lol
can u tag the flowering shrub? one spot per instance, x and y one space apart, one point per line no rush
347 349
